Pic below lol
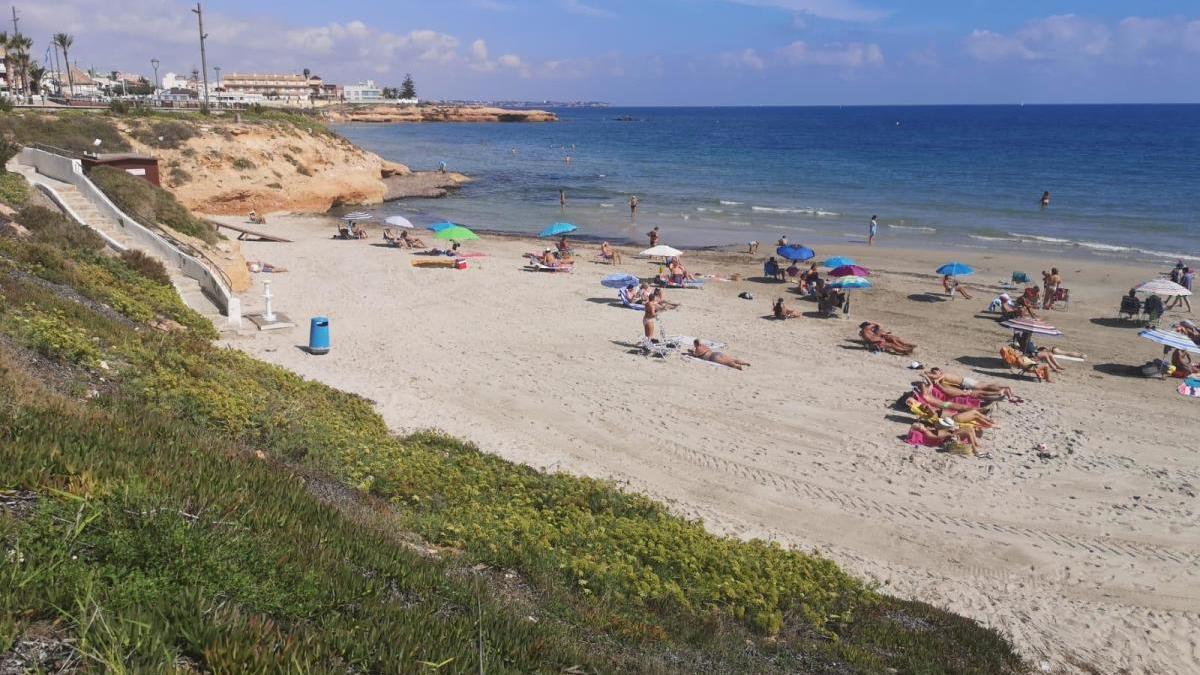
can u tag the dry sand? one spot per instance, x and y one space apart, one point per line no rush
1087 557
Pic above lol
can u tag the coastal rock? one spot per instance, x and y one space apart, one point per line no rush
423 184
393 114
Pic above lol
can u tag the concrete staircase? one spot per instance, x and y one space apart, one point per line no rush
82 210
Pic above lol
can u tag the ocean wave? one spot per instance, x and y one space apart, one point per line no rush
807 211
915 228
726 202
985 238
1104 248
1035 237
606 206
703 209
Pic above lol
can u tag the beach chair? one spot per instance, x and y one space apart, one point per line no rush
624 294
1062 296
1020 278
1021 363
1131 307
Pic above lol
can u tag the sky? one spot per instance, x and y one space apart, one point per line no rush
668 52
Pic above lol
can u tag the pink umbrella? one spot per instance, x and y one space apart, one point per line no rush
850 271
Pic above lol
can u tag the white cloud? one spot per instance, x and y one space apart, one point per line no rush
577 7
853 55
1066 38
747 58
838 10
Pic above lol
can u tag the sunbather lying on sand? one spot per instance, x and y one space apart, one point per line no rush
928 397
940 435
1044 354
967 386
782 312
699 351
877 338
973 417
952 286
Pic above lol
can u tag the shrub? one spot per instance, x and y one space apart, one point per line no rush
118 107
69 130
178 176
243 164
152 206
169 134
52 227
51 334
14 191
6 104
146 266
8 150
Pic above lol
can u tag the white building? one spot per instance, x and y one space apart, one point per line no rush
363 92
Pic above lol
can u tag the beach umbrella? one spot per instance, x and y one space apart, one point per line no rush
849 283
1163 287
795 252
837 261
1170 339
850 271
662 251
455 233
1031 326
357 215
399 221
438 227
955 269
557 229
620 281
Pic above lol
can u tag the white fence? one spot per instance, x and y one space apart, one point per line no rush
210 278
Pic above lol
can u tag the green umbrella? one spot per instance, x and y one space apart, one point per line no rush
456 233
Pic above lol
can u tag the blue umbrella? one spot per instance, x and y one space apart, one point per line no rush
438 227
620 281
557 229
955 269
838 261
795 252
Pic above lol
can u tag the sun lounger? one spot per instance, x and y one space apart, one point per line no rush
626 300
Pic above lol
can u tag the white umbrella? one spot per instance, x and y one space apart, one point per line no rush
1031 326
1163 287
399 221
1171 339
662 251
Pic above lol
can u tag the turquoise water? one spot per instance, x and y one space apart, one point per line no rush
1124 180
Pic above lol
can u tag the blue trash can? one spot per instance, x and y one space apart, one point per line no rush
318 335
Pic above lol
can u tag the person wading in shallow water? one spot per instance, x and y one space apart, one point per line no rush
633 204
653 234
874 229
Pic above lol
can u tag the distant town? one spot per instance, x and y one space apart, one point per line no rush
59 80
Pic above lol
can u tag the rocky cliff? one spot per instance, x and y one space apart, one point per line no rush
392 114
226 167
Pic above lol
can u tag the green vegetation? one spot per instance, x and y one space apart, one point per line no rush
14 191
146 266
243 164
175 525
168 134
149 205
69 130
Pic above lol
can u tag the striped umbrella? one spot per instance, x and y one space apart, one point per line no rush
1170 339
357 215
1163 287
1031 326
850 271
850 283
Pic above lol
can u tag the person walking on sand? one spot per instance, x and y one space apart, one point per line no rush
873 230
1046 199
653 234
633 204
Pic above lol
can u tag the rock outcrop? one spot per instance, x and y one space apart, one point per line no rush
393 114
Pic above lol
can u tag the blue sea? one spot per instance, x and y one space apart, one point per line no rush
1124 179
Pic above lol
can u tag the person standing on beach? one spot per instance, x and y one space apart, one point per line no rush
873 231
633 204
1046 199
653 234
1052 285
1186 278
562 200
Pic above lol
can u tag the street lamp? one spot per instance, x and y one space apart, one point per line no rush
218 69
155 63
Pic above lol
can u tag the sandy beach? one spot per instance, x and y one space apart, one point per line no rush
1087 555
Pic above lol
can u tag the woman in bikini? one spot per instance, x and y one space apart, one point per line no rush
650 316
952 286
954 385
700 351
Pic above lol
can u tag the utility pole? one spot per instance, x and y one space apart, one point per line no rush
203 59
15 20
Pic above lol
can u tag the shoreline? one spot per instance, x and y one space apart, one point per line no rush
1060 552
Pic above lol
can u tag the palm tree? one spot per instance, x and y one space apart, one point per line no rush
21 46
64 42
36 73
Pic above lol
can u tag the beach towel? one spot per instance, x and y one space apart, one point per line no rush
693 283
446 263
